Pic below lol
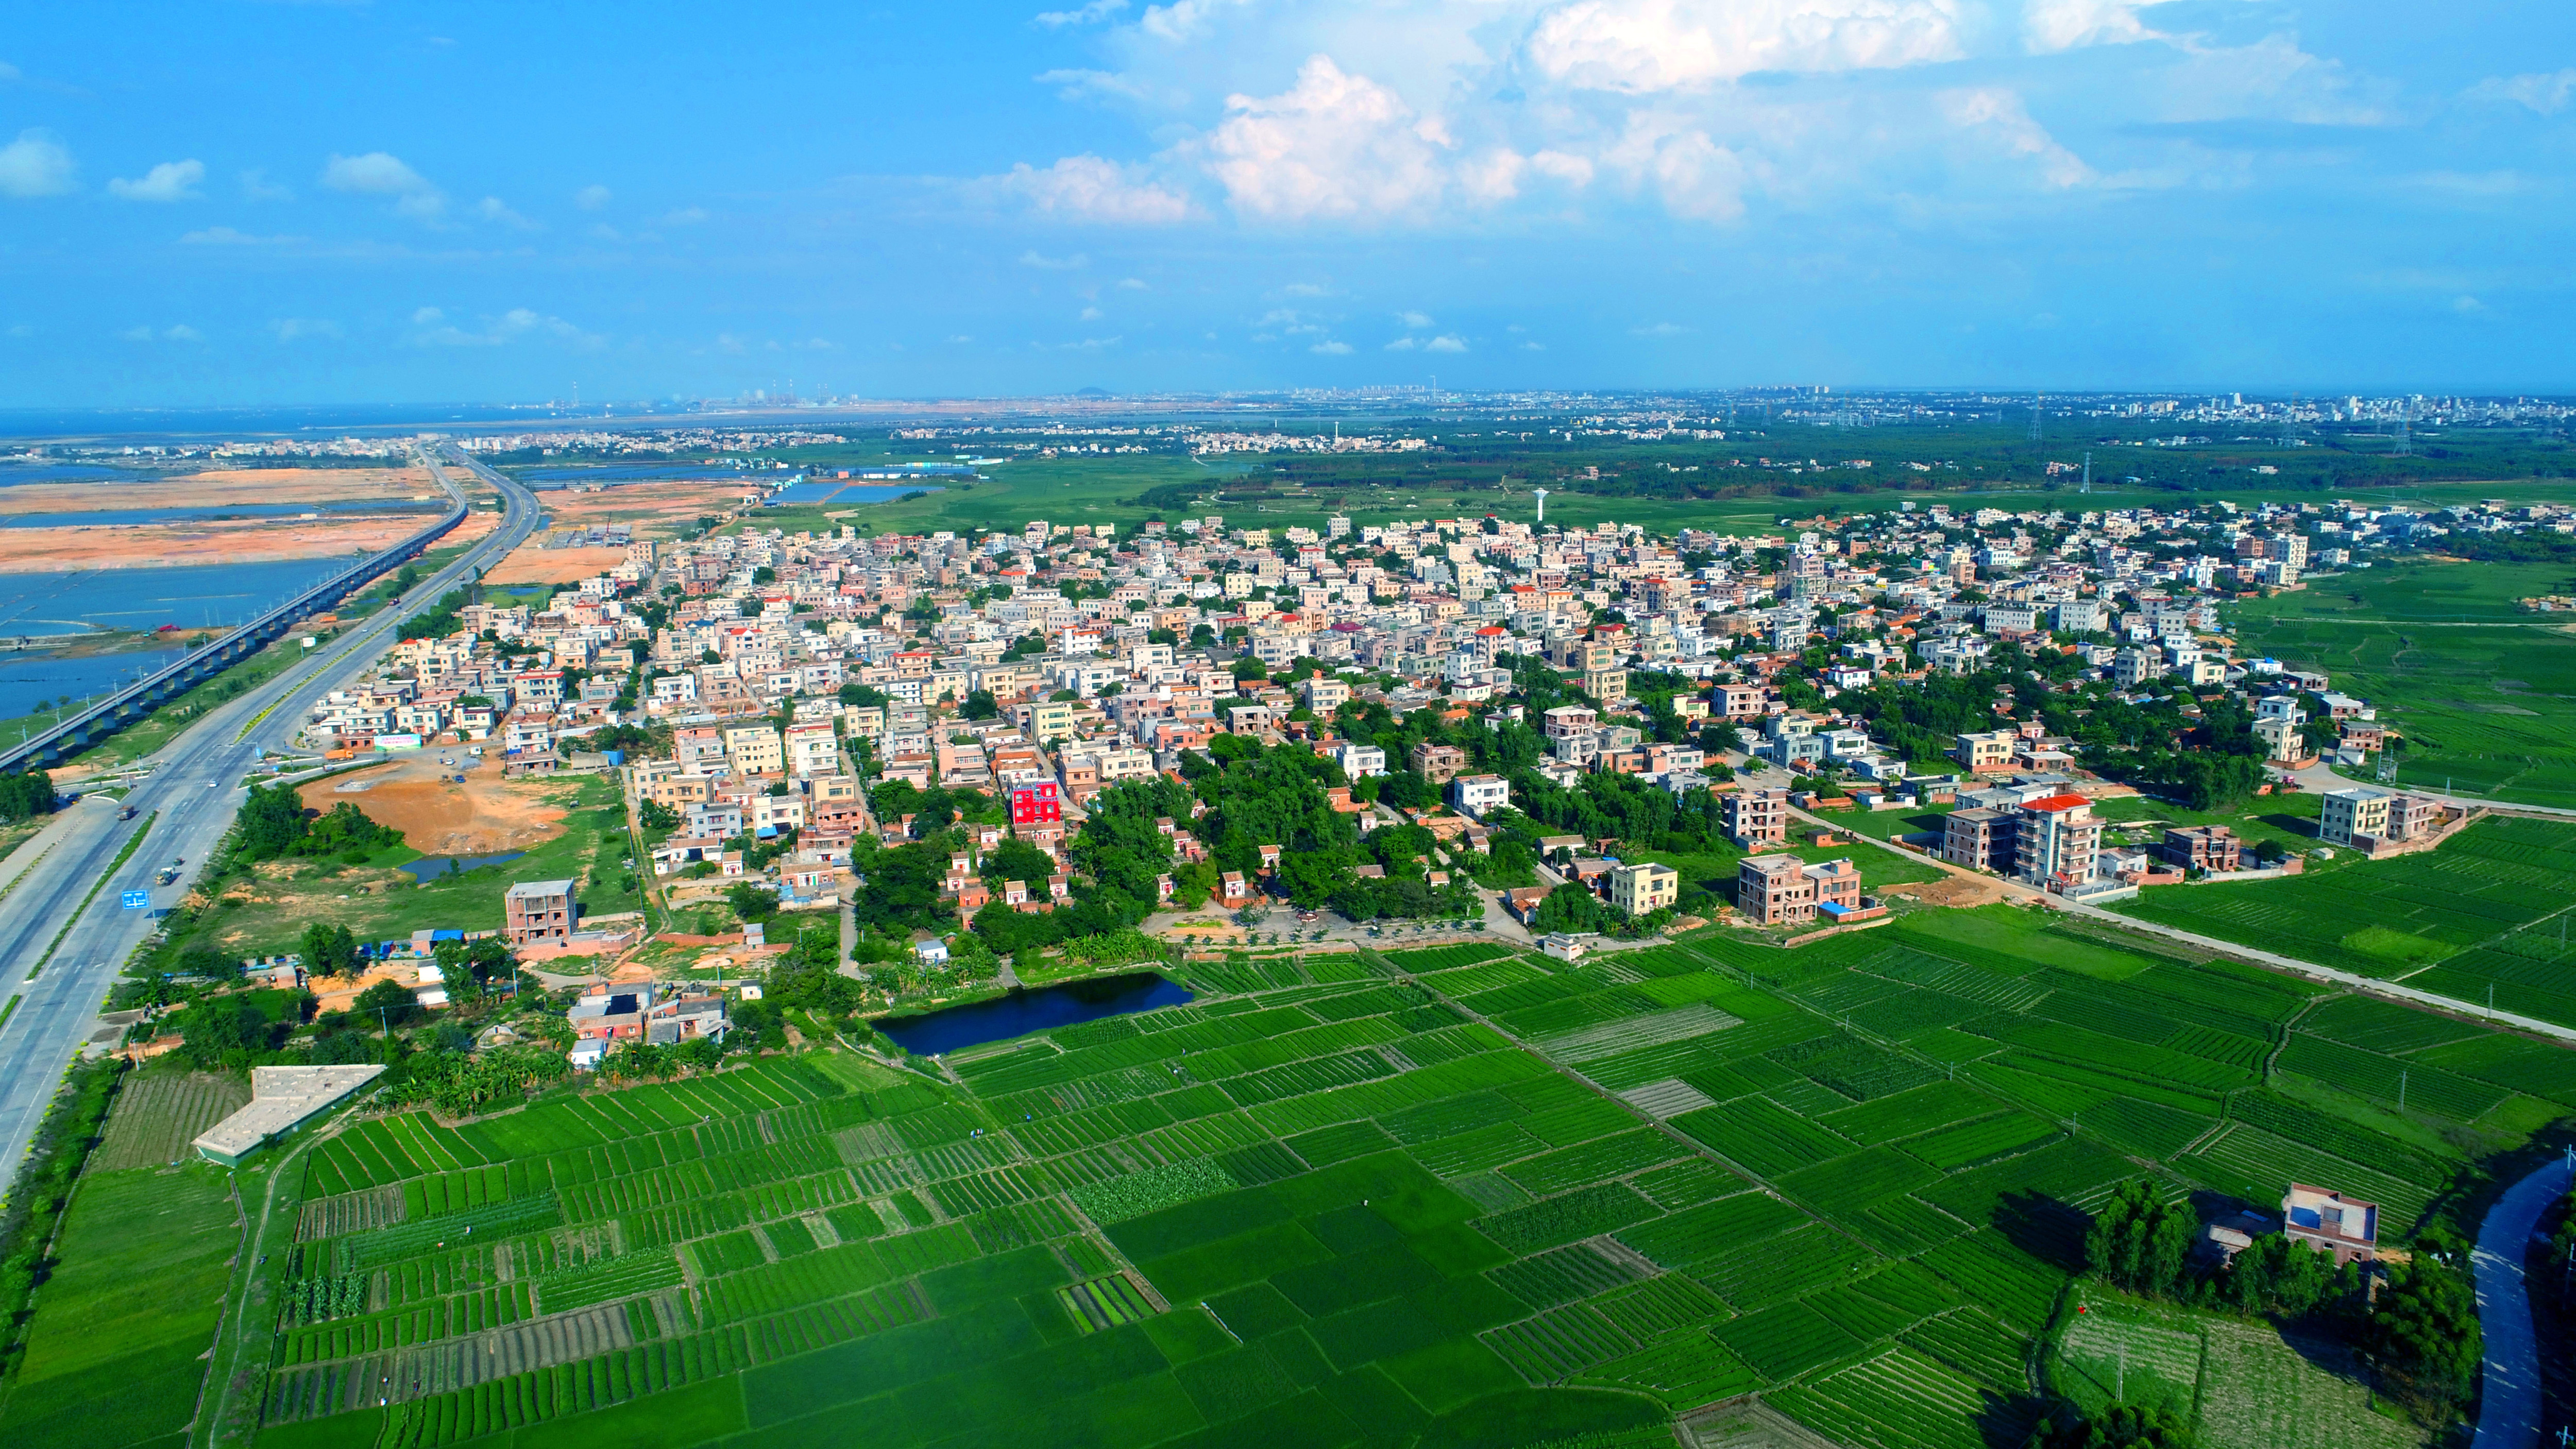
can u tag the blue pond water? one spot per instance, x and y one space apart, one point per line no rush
833 490
1023 1012
78 603
431 867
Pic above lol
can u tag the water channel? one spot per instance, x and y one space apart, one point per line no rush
957 1027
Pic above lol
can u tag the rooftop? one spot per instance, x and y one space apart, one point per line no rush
280 1097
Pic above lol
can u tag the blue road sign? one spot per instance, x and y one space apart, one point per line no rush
137 900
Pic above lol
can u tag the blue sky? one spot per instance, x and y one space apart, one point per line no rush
274 203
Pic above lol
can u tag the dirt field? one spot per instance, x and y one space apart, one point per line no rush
655 509
1951 890
158 545
484 816
227 488
530 564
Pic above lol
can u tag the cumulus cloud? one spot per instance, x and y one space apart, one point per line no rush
169 181
1693 175
35 165
1045 263
2000 111
519 324
1658 329
493 208
380 173
1132 284
2048 26
1184 19
2544 92
1445 344
255 186
592 197
1414 320
1643 46
1091 190
1402 344
296 329
685 216
1090 14
1334 145
1331 349
180 333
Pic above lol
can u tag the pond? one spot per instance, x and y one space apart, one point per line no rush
1023 1012
430 867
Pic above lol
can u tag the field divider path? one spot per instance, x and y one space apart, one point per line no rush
2509 1395
2269 960
1683 1140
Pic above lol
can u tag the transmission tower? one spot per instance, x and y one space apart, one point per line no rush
2037 401
2088 472
2405 427
2290 423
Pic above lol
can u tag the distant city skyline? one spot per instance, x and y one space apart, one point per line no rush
285 204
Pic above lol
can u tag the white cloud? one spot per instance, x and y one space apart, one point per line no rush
2545 92
2001 111
2048 26
2467 306
169 181
1090 14
1307 289
1642 46
1084 85
493 208
592 197
1573 170
224 236
379 173
1331 349
1415 320
1659 329
180 333
1695 176
255 186
685 216
1533 347
1445 344
1336 145
1184 19
295 329
35 165
1133 284
519 324
1088 189
1045 263
1091 314
1402 344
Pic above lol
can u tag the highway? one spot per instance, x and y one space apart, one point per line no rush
69 902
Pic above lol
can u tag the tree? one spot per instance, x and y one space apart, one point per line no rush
1569 907
225 1031
980 704
657 816
861 696
27 793
329 950
2114 1426
388 1003
750 902
1250 669
2138 1240
2424 1325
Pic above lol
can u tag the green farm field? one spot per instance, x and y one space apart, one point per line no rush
114 1353
2484 693
2480 915
1443 1196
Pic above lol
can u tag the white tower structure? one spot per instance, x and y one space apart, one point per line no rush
1541 495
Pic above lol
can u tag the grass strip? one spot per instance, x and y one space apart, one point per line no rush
132 843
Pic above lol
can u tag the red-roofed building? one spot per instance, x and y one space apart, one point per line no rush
2057 841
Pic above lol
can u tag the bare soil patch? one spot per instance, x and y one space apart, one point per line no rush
484 816
227 487
1951 890
655 508
531 564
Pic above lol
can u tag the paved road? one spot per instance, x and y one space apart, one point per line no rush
2509 1403
189 798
